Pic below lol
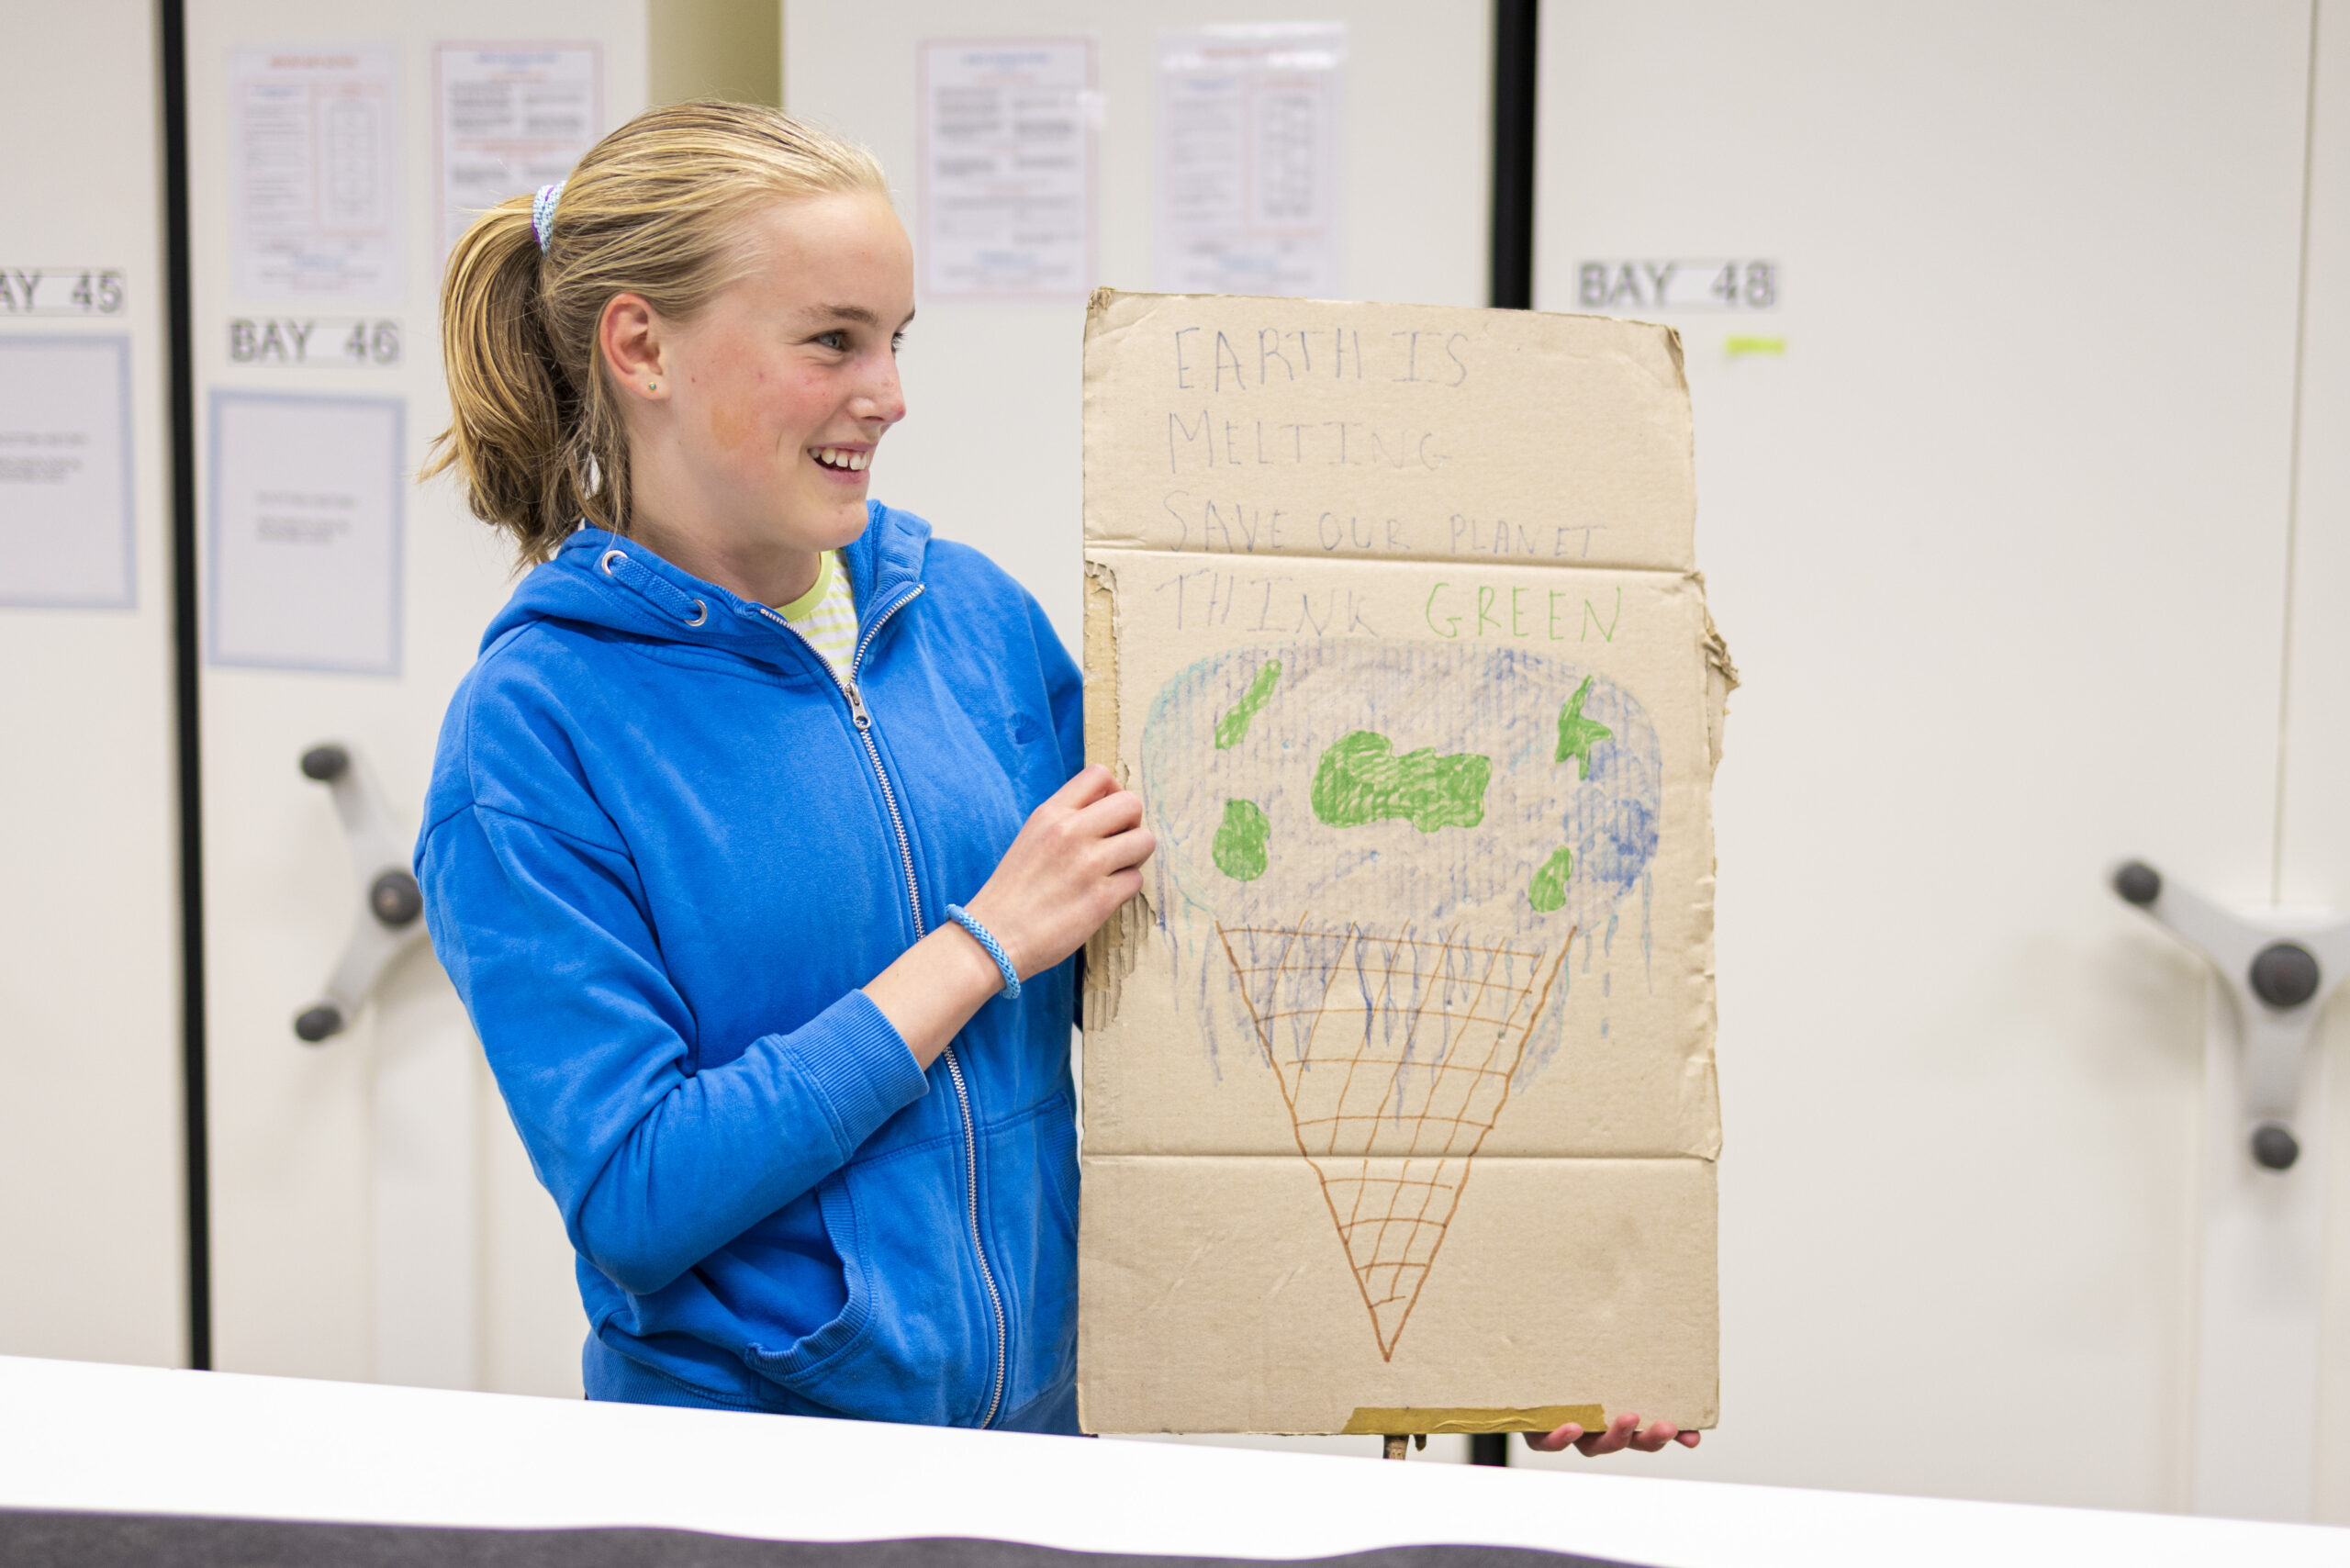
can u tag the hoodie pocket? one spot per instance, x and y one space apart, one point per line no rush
844 1226
915 1340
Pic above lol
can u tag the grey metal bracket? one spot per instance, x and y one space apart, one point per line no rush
2278 967
389 919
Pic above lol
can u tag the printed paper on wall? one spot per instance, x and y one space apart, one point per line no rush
1007 168
314 162
303 569
66 513
1250 155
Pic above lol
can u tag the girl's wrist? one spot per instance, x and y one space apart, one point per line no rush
976 972
996 924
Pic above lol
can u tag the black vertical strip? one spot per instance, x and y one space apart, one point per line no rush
179 332
1512 280
1514 62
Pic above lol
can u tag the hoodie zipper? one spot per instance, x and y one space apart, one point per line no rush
864 723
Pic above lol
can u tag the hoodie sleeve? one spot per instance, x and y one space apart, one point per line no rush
653 1166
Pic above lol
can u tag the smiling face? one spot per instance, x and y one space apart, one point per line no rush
753 423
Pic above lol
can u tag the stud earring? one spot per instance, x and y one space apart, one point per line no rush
653 386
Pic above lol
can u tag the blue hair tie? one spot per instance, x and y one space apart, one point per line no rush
542 211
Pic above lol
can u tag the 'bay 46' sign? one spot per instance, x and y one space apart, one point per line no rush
314 342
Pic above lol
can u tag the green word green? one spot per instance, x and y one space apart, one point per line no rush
1233 726
1577 734
1547 890
1553 615
1361 779
1239 848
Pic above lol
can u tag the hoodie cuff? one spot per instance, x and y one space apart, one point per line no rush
858 1065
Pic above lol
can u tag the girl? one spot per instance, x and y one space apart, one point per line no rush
759 835
758 838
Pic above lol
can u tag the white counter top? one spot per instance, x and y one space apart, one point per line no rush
87 1437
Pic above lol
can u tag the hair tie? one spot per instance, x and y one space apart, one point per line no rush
986 938
543 212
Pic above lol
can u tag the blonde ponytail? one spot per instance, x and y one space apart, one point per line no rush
656 209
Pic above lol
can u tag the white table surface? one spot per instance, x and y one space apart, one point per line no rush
139 1439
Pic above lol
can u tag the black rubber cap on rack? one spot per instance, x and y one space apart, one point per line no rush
2284 974
2138 883
395 898
317 1023
2273 1146
325 762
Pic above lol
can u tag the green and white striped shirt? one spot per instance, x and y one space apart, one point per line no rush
827 615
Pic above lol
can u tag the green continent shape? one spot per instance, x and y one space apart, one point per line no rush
1239 848
1361 780
1234 725
1576 734
1547 890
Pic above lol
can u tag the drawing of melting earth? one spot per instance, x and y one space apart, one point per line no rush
1385 851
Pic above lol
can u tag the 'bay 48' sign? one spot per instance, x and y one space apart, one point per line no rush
1712 283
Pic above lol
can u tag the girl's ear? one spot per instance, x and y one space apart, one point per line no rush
629 335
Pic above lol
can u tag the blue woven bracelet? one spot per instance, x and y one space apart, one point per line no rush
986 938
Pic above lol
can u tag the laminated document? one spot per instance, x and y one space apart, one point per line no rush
1007 168
66 516
304 559
1251 148
314 170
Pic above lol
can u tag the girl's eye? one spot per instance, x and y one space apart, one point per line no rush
838 341
897 342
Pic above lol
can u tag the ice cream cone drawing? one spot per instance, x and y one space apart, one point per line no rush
1379 857
1390 1050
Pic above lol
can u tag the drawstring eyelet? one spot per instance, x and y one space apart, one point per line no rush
701 613
611 556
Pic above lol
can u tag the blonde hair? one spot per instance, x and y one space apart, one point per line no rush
655 208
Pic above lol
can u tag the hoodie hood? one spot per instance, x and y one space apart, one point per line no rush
601 578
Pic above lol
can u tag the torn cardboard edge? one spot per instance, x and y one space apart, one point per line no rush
1110 951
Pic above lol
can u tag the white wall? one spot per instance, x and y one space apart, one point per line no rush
1999 544
2313 830
92 1237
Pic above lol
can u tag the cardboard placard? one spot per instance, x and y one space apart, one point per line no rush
1392 619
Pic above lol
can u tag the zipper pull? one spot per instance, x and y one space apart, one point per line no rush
856 706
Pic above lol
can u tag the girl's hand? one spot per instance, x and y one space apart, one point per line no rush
1078 858
1622 1432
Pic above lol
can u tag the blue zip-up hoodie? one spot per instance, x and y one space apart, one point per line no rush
663 848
